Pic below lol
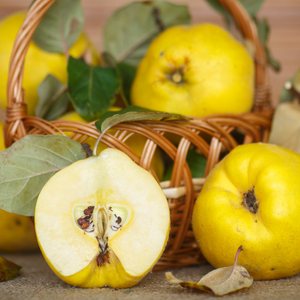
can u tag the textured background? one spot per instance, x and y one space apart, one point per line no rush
37 282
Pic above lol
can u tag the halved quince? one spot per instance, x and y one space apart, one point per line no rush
102 221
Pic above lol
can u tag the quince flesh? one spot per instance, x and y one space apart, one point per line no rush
38 63
102 221
195 70
252 198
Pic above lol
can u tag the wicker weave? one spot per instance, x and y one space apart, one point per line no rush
214 136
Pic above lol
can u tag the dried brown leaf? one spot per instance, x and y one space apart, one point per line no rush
227 280
221 281
188 284
8 269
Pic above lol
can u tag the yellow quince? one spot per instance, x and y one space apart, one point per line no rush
195 70
38 63
252 199
102 221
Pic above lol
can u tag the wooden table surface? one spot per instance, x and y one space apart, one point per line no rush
283 17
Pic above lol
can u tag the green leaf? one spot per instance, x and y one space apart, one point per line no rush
53 99
128 41
196 162
263 29
128 114
108 60
275 64
91 89
8 269
60 27
28 164
251 6
127 74
132 113
287 94
216 5
297 81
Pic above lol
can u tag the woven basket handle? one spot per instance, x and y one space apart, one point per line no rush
16 106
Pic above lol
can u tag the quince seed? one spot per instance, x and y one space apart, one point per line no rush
82 220
89 210
85 225
90 228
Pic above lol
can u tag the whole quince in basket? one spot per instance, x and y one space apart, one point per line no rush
38 63
252 198
102 221
16 234
195 70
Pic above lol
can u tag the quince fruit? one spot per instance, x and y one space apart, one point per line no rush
17 234
102 221
135 142
252 198
38 63
195 70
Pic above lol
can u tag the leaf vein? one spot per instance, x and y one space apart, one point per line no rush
30 176
37 158
52 152
70 150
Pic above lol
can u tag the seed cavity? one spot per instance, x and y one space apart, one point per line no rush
102 222
116 223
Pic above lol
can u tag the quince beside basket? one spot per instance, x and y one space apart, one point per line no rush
214 136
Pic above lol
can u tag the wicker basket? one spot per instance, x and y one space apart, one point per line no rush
214 135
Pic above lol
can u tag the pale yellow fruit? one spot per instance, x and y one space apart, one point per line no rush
16 232
252 198
38 63
127 217
135 142
195 70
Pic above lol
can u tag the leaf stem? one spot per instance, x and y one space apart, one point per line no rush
97 142
236 258
235 262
